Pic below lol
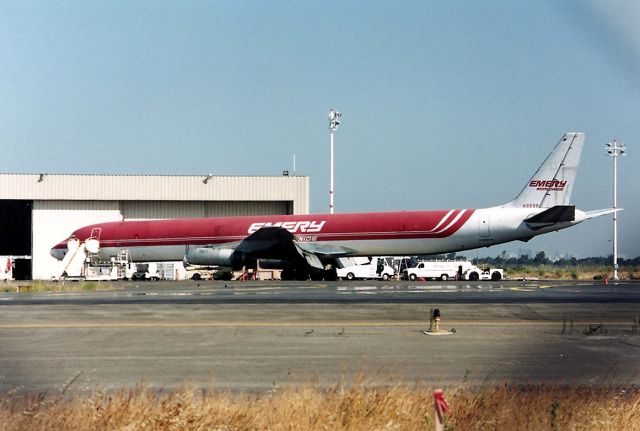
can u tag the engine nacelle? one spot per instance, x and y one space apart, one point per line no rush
210 256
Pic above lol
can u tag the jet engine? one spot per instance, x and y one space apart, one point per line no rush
218 256
210 256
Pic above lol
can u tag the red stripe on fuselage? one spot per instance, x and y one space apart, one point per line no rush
334 227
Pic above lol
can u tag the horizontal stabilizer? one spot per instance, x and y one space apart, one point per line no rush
598 213
558 213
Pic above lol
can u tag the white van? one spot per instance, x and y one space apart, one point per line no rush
437 269
376 268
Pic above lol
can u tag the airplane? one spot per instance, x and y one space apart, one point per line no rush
307 246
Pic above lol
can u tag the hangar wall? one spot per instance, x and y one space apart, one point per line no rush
199 188
53 221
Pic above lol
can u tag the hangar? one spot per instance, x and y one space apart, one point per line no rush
39 210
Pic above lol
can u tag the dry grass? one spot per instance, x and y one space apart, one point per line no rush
584 273
343 407
47 286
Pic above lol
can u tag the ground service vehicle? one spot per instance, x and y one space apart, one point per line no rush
376 268
476 273
146 271
437 269
199 272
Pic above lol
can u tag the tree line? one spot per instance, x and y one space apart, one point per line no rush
503 261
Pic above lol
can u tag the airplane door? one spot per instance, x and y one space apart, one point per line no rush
95 232
485 226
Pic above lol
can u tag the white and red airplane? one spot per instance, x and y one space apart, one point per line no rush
307 245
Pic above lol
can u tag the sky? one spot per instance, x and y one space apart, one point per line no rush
446 104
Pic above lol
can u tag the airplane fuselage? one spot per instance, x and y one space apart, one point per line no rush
405 233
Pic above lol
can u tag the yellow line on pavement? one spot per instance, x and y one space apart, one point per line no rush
346 324
200 325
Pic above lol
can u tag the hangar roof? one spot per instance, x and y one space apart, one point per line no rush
156 188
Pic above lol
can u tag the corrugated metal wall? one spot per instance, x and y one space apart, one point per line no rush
229 208
140 210
157 188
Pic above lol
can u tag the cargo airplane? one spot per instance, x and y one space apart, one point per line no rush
306 246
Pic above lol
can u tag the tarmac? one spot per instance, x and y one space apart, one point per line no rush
159 336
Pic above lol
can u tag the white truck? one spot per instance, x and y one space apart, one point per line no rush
376 268
437 270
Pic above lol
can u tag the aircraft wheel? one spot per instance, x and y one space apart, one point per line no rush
350 276
496 276
444 277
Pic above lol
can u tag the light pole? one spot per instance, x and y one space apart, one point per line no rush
614 150
334 122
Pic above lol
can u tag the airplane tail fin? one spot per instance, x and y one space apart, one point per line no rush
552 183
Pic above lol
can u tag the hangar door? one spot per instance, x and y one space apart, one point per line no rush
15 235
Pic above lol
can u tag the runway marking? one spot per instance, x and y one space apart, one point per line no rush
111 325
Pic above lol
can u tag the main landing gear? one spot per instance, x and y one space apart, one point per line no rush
303 273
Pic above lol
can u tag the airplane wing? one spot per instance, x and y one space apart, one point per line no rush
325 250
275 244
279 244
